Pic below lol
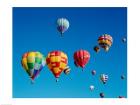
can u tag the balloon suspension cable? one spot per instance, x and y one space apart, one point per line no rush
61 34
32 81
70 77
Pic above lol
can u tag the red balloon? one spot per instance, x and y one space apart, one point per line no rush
81 58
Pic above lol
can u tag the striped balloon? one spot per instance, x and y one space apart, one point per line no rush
104 78
105 41
62 25
67 70
57 61
33 63
81 58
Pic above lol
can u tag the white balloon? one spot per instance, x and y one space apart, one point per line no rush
91 87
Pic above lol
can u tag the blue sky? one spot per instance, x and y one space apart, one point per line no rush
34 29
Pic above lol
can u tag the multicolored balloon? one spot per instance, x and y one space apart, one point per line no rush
57 61
105 41
104 78
62 25
81 58
96 49
67 70
33 63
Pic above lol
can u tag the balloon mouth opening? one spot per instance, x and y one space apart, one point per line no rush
82 67
32 78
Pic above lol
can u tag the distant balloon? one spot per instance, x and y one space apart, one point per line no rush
121 97
104 78
33 63
122 77
105 41
93 72
96 49
124 40
57 61
81 58
91 87
76 64
67 70
62 25
102 95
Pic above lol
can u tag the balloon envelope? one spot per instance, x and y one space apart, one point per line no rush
96 49
57 62
123 40
67 70
33 63
62 25
104 78
105 41
93 72
121 97
81 58
102 95
122 77
91 87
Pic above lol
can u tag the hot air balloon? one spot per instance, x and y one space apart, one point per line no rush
81 58
121 97
104 78
57 61
91 87
105 41
124 40
102 95
62 25
67 70
96 49
93 72
122 77
33 63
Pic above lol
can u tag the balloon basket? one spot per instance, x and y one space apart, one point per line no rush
57 79
104 83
